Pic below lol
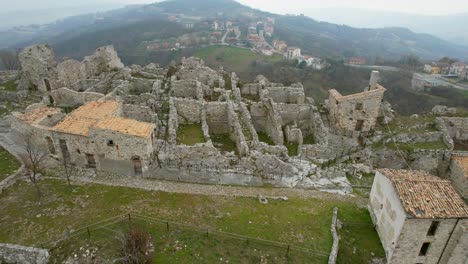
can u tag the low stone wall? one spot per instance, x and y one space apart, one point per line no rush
12 179
68 97
336 238
13 254
188 110
8 96
457 127
446 138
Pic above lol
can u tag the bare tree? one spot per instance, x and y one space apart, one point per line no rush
34 158
69 169
10 59
136 247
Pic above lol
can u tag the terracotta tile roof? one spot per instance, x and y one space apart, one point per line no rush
126 126
38 114
426 196
462 161
82 119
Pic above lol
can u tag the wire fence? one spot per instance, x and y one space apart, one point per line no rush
170 237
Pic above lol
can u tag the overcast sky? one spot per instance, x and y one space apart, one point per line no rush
426 7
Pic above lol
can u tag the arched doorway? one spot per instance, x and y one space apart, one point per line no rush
137 166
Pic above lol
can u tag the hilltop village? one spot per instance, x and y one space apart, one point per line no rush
195 124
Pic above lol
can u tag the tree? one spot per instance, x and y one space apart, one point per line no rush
34 158
10 60
136 247
69 169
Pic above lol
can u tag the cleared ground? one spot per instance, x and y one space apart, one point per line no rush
303 222
8 164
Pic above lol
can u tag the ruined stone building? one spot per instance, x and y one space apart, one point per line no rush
357 112
192 123
93 136
420 218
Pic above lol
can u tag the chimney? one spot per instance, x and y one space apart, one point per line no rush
373 80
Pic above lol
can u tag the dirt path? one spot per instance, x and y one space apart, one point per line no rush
218 190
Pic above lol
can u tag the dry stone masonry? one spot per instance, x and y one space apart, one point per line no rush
196 124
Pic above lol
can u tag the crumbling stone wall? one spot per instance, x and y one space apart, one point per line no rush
12 254
217 117
140 113
459 178
457 127
38 66
235 131
266 118
68 98
356 112
72 74
288 95
185 88
104 59
188 111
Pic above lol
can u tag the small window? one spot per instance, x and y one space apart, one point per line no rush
359 106
110 143
424 249
91 161
433 229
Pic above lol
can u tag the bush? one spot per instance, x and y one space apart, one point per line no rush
136 247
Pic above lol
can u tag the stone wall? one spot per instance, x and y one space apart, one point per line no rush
459 178
13 254
140 113
8 96
266 118
235 131
457 127
298 114
38 66
287 95
357 112
436 162
217 117
183 88
414 234
68 98
188 111
387 213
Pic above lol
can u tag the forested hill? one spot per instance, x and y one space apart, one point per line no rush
125 28
328 39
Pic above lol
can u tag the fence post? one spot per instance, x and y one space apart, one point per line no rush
167 226
287 254
89 232
207 233
129 221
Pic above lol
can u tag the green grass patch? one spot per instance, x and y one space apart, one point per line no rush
406 124
357 243
263 137
141 76
224 142
8 164
9 86
293 149
238 59
411 146
308 140
190 134
303 222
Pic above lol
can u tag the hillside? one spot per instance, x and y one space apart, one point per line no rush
448 27
318 38
326 39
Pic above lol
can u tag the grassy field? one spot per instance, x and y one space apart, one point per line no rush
190 134
224 142
9 86
263 137
298 221
8 164
232 58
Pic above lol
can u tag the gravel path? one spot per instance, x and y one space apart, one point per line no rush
218 190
